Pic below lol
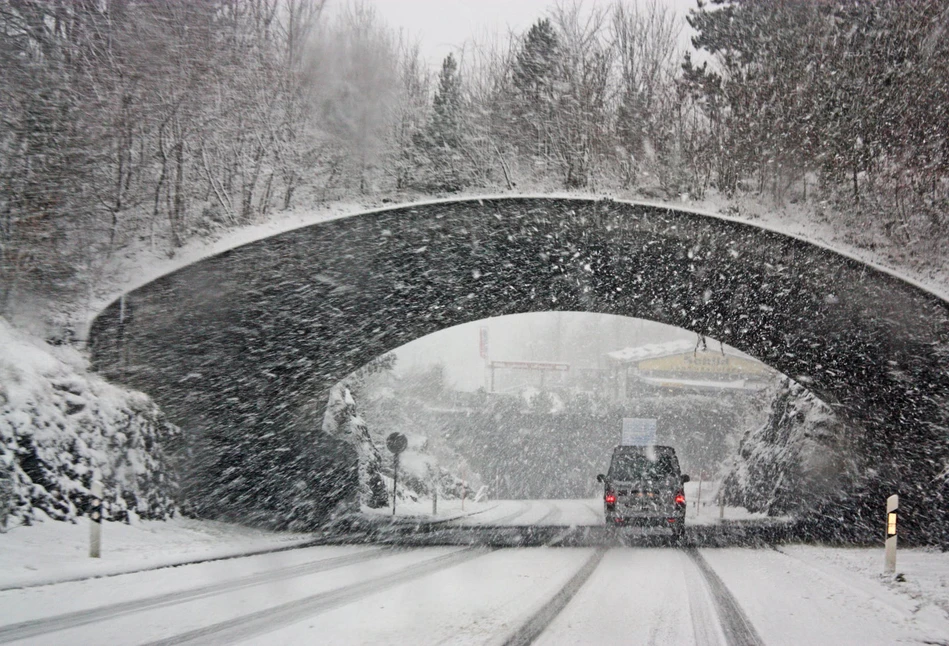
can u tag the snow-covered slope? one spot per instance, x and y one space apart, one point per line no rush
61 426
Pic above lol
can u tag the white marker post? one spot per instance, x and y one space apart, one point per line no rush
95 521
892 505
698 497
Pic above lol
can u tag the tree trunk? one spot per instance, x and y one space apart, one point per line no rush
176 212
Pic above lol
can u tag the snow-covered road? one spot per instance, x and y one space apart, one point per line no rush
478 595
559 513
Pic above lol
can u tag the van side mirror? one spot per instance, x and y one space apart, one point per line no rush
600 478
685 478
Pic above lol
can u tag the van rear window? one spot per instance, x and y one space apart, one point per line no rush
637 466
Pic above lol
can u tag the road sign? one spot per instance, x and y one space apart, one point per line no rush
638 431
396 443
532 365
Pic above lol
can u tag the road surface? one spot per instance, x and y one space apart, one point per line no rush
370 594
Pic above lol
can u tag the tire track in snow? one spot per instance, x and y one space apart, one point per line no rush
522 509
552 516
535 625
737 628
269 619
706 626
35 627
596 511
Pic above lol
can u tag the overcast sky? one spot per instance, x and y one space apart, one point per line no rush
443 26
583 340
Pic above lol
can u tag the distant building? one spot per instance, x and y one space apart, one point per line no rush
681 366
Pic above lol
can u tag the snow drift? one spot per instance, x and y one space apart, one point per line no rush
61 426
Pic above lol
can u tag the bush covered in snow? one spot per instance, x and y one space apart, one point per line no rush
61 426
797 458
343 422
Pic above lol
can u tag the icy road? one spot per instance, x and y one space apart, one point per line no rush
373 594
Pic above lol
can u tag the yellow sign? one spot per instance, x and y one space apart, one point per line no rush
705 363
891 524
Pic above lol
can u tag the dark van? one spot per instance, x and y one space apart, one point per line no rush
644 488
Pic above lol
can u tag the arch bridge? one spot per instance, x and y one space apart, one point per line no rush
235 346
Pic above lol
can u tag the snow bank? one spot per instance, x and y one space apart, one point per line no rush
922 579
61 426
55 552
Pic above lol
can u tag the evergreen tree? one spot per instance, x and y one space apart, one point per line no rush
446 107
446 164
534 80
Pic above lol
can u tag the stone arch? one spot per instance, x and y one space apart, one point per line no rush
236 341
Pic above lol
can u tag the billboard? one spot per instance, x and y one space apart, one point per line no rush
704 364
532 365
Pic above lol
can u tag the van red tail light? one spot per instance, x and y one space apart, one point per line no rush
680 498
610 498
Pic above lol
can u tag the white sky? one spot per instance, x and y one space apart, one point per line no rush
585 338
443 26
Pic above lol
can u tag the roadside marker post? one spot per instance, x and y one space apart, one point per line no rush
395 481
698 497
892 507
95 521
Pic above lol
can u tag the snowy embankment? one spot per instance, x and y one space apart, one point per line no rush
551 512
55 552
61 427
922 579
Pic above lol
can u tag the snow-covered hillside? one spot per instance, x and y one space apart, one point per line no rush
61 427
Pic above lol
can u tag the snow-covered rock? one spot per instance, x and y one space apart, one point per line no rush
61 427
798 457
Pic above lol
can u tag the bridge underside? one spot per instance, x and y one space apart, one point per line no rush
234 346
